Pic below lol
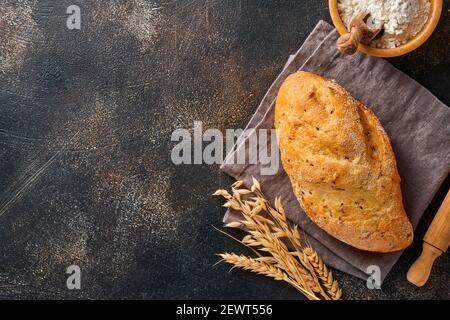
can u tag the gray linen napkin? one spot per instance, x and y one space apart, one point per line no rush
417 123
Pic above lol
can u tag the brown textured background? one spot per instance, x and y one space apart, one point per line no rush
85 174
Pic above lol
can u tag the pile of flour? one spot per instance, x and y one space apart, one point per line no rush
403 19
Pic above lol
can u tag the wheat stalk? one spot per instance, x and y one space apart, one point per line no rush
261 235
302 267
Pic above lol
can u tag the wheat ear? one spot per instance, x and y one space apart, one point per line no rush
324 274
263 268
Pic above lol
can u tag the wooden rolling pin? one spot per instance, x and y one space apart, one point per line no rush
435 242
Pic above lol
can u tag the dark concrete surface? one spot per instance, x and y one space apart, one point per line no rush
85 125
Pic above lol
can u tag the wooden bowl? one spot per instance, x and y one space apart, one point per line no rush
417 41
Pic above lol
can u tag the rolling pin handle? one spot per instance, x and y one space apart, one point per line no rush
420 271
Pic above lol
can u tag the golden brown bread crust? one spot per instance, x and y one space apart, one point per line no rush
341 164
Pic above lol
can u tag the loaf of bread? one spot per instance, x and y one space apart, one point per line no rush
341 164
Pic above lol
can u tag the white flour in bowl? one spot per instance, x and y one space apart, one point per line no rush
403 19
